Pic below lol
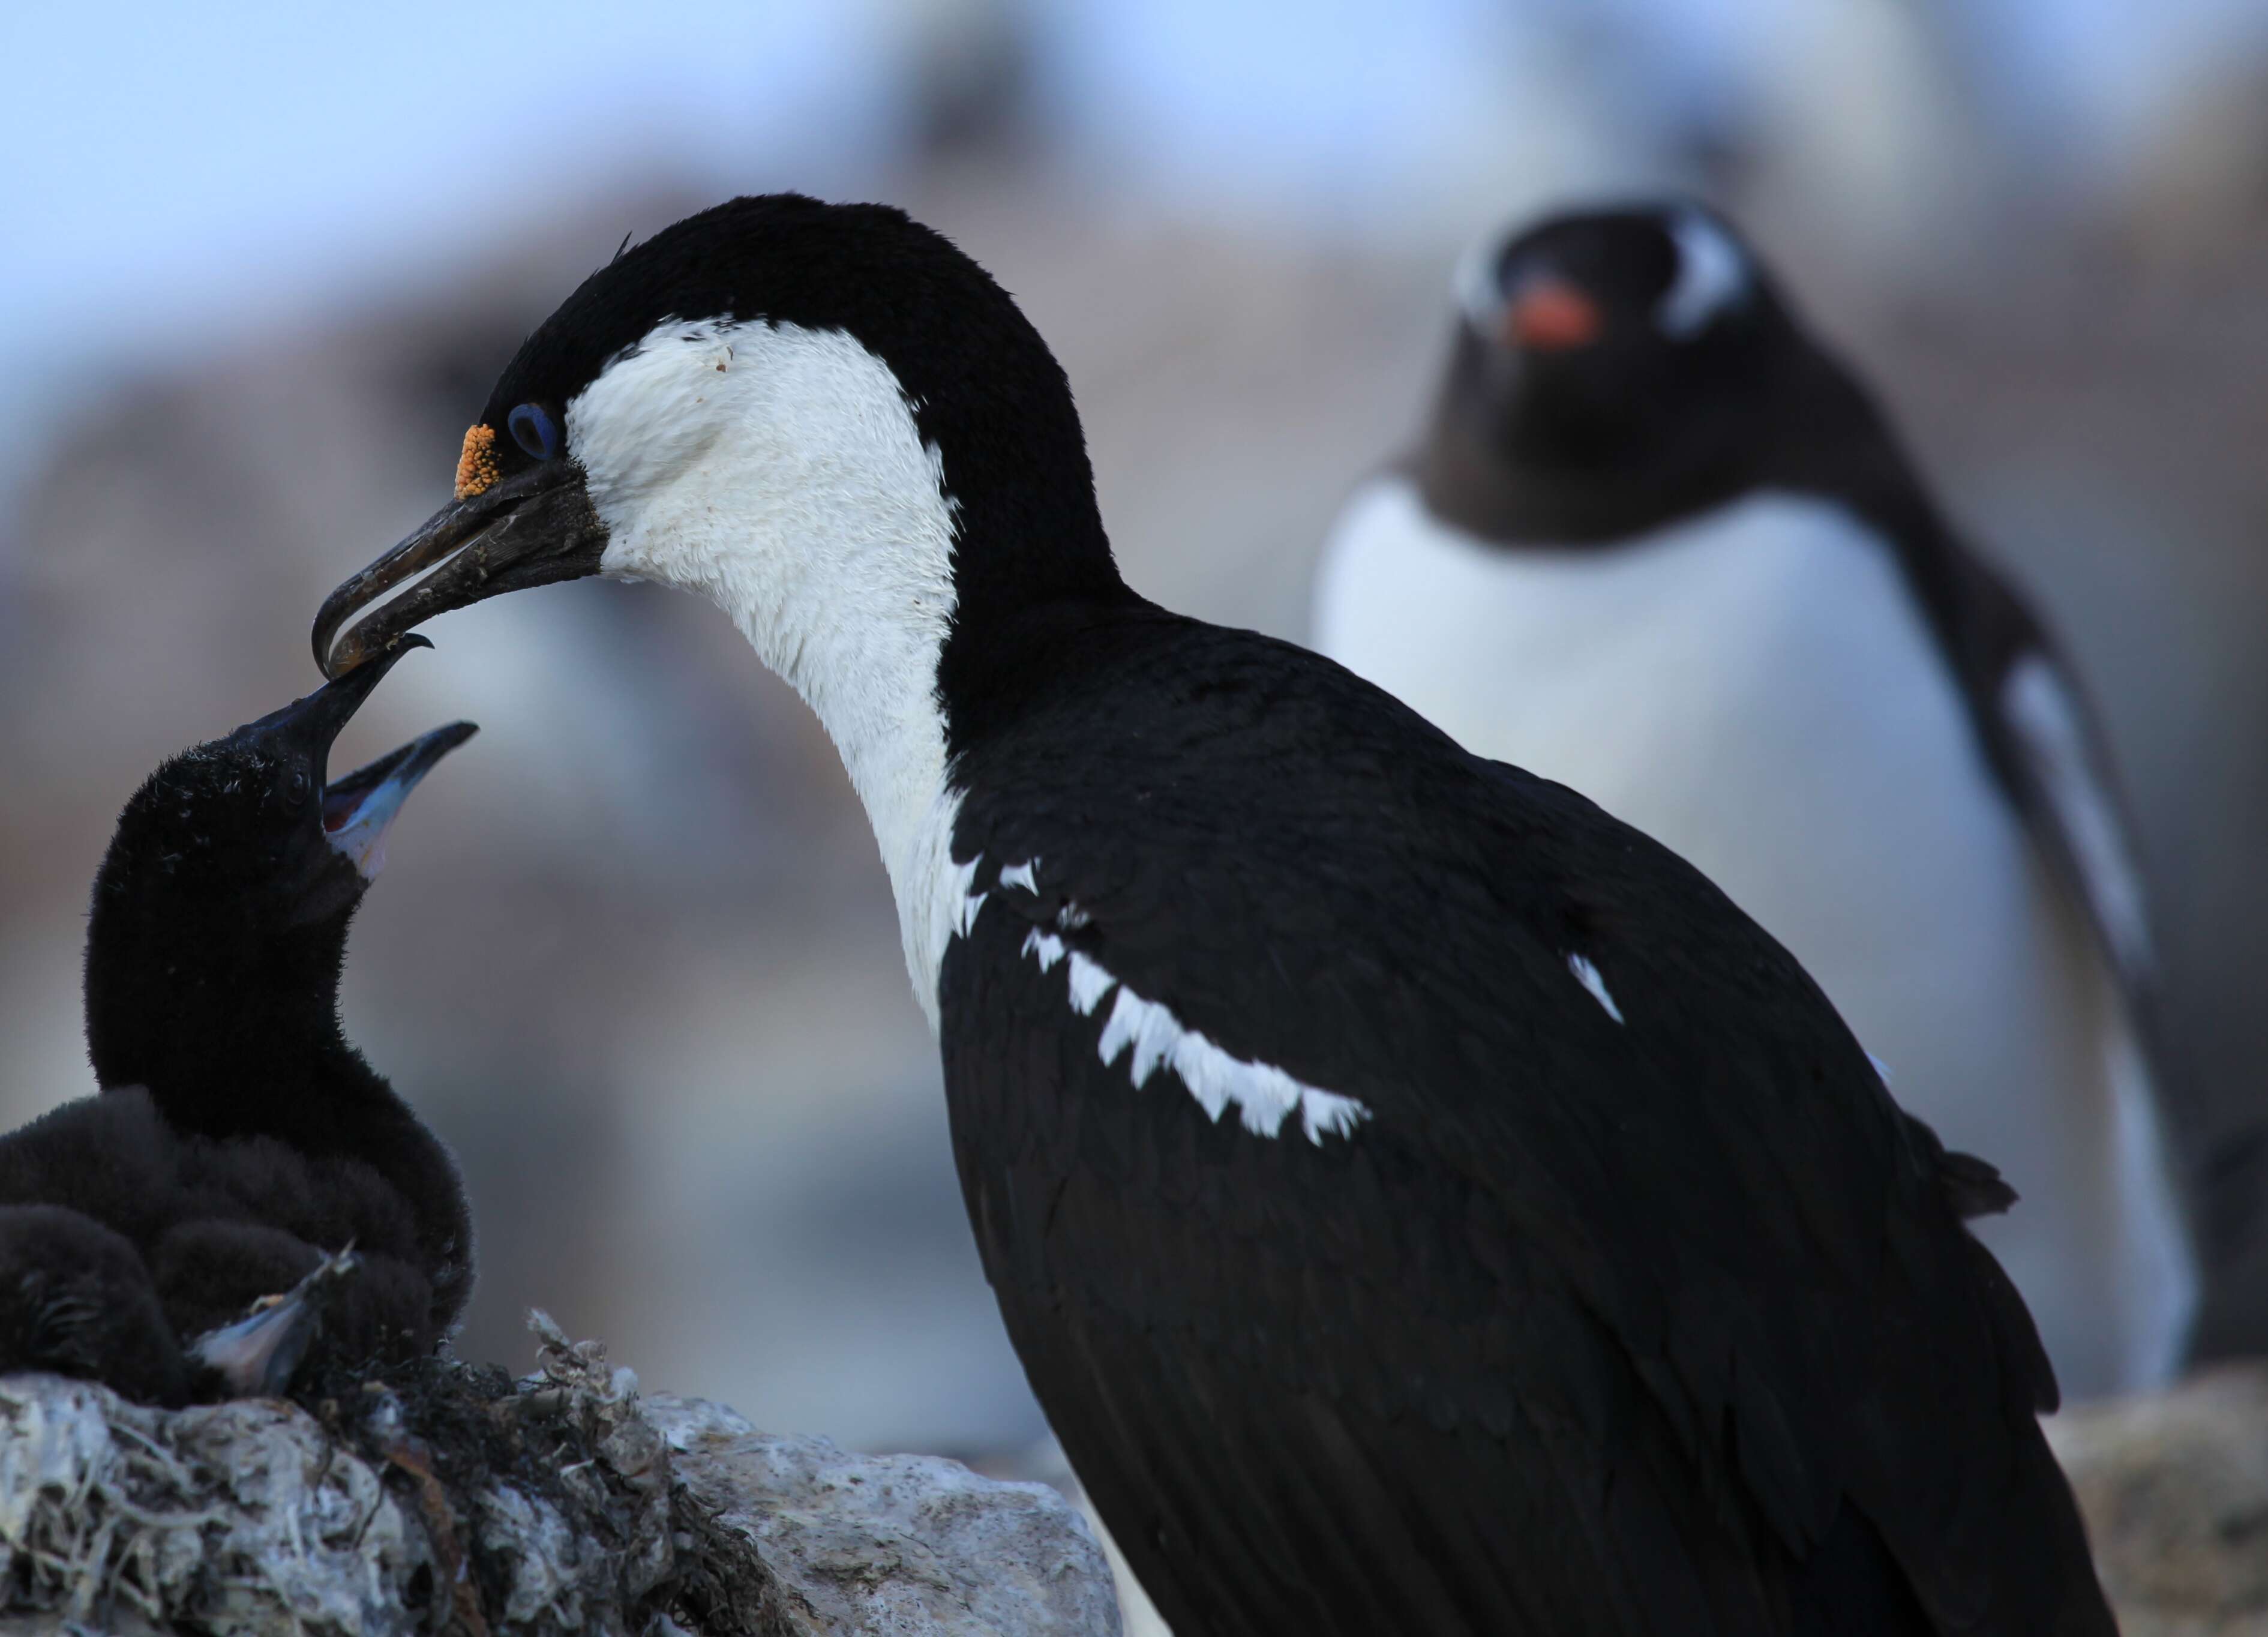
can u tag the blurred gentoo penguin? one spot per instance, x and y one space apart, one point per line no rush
1658 544
1420 1202
240 1139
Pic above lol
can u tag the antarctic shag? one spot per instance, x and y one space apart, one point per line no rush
1420 1202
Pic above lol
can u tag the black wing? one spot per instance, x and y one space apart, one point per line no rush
1628 1301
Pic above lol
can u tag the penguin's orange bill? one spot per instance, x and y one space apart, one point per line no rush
1551 315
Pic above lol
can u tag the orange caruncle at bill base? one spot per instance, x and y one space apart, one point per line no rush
476 465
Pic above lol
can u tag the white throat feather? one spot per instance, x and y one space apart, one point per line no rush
779 472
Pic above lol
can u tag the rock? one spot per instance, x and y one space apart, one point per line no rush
2175 1488
1046 1463
909 1545
455 1501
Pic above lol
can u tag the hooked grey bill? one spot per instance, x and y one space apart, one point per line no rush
533 528
314 723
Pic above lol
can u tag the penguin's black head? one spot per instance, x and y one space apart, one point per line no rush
243 839
1614 340
777 398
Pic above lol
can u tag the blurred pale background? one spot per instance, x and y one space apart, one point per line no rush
634 955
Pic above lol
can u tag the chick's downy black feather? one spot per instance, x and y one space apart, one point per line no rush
240 1139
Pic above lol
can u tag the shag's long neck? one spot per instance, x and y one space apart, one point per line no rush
234 1030
900 669
891 570
851 602
858 631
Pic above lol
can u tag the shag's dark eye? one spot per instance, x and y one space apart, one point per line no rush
295 789
531 429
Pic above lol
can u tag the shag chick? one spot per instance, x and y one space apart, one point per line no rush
242 1150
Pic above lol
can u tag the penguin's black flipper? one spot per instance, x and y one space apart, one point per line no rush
77 1299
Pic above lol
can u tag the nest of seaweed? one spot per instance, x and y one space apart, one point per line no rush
439 1498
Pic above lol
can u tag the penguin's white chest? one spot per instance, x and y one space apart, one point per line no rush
1757 689
1750 681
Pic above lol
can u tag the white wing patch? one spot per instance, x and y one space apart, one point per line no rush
2040 708
1150 1037
1587 973
1712 275
1089 983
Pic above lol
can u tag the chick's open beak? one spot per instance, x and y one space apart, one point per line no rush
532 528
358 808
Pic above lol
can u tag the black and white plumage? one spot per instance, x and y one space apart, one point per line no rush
240 1146
1658 543
1420 1202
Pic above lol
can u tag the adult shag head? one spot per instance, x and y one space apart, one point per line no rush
777 389
220 912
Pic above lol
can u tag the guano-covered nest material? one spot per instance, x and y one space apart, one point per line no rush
452 1500
445 1500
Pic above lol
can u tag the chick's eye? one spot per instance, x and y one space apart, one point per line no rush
295 789
533 430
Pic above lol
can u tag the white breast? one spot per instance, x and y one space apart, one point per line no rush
1757 689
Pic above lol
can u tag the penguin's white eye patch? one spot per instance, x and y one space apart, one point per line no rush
532 429
1711 275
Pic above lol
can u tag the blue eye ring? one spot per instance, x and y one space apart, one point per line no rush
533 430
